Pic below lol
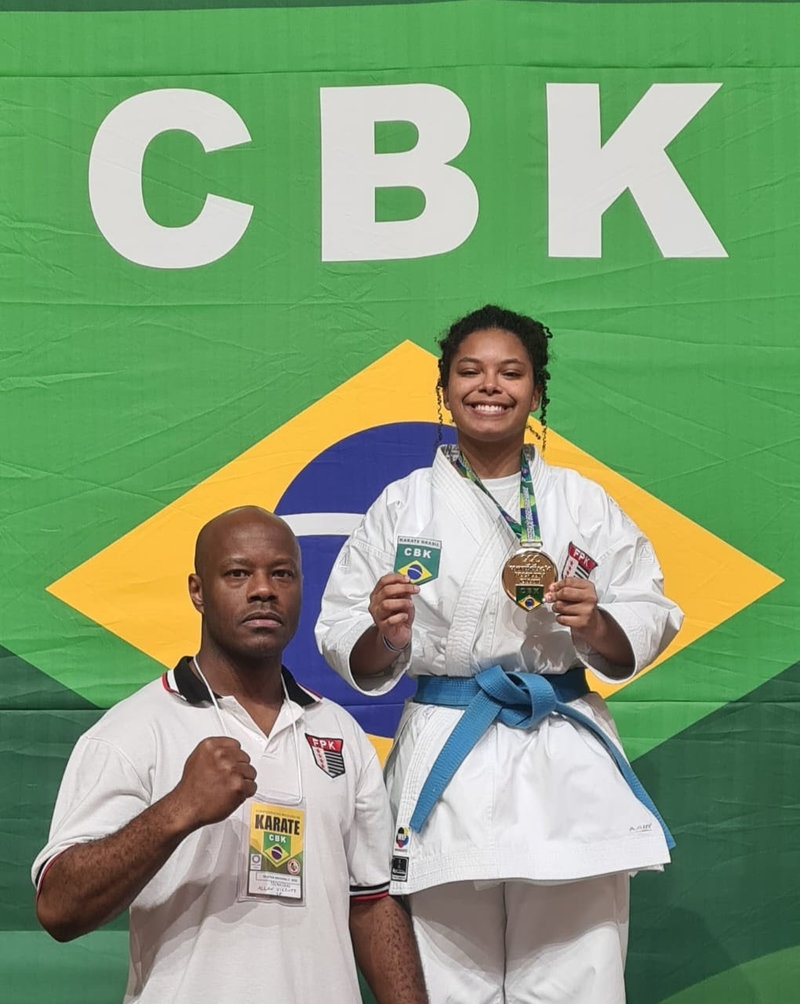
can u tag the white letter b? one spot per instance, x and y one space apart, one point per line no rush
352 171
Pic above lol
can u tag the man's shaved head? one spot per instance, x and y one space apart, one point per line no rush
247 584
219 529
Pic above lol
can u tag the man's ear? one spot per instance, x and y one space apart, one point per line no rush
196 591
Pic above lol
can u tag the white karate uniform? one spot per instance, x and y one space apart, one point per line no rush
545 804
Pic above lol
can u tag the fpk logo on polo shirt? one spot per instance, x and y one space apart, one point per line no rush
328 754
418 558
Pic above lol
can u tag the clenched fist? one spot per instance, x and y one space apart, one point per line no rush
217 778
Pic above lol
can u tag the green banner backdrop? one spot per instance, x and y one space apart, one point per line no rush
213 216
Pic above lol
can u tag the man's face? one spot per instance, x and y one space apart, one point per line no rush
248 585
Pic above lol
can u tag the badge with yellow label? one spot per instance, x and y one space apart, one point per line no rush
418 558
275 851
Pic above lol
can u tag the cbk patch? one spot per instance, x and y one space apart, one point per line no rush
418 558
328 755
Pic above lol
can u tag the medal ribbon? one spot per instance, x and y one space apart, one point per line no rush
528 527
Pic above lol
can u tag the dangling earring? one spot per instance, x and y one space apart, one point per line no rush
541 436
534 431
440 422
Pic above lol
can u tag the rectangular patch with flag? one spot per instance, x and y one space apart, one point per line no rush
328 754
578 563
418 558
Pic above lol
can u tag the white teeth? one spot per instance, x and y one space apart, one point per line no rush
489 409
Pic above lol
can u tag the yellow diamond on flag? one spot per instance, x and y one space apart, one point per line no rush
147 605
417 572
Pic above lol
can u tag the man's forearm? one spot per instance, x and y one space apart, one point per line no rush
89 884
386 952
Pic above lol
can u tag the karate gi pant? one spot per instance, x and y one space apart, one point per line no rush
523 942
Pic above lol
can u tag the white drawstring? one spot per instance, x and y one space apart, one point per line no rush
222 725
212 695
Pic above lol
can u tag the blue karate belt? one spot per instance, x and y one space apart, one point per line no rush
518 700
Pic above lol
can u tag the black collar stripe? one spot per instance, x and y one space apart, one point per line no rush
300 695
192 689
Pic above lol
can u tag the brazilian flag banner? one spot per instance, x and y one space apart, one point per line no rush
230 234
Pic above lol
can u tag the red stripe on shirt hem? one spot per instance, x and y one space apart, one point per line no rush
45 869
366 897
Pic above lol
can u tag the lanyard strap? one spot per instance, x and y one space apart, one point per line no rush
213 698
527 529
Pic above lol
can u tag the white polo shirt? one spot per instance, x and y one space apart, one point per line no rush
191 939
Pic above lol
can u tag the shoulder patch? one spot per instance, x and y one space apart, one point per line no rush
578 563
328 754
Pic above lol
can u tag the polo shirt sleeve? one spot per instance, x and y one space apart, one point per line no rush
100 792
369 840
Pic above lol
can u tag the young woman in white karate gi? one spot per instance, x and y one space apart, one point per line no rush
494 579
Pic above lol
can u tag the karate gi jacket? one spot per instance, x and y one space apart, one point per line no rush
545 803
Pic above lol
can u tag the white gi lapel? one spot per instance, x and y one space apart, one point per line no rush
474 514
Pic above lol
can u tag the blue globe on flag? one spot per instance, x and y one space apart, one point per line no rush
323 504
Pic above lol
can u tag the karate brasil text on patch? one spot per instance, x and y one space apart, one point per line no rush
418 558
275 851
328 754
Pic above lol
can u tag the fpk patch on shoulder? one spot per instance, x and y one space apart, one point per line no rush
418 558
328 755
578 563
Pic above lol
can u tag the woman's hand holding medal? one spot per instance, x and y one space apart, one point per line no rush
574 602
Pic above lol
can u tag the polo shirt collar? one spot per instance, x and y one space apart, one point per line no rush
186 684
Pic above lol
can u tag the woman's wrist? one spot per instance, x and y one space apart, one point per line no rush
390 647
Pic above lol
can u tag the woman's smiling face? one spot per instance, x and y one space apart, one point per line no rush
490 391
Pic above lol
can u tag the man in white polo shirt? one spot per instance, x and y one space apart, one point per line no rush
240 817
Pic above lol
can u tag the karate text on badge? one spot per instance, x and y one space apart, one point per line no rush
275 851
418 558
277 824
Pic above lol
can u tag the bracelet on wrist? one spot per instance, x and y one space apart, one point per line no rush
392 648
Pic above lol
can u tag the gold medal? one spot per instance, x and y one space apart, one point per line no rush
527 575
